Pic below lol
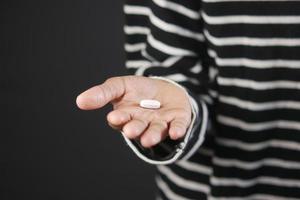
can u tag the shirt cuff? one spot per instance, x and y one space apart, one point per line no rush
170 151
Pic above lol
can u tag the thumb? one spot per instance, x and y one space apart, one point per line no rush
98 96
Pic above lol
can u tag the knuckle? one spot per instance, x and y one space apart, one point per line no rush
110 90
144 115
132 129
180 123
159 125
141 122
101 95
177 113
103 92
114 87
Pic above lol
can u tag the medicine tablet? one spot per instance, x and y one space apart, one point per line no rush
151 104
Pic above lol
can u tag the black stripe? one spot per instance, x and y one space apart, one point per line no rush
230 191
257 53
271 74
252 156
260 8
261 96
137 20
234 172
136 38
259 136
255 30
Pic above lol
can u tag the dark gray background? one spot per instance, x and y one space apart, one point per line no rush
50 52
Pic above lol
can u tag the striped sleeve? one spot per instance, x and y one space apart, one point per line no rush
164 39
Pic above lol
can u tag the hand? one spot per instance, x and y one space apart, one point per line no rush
151 126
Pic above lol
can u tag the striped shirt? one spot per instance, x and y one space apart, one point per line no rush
239 60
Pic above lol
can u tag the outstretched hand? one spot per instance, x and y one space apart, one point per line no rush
151 126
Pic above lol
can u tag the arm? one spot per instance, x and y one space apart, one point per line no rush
164 39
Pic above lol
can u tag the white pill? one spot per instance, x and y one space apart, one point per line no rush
148 103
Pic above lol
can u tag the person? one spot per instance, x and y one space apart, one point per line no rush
227 75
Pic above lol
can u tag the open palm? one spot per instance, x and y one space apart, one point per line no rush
151 126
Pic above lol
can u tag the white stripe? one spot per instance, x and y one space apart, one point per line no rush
259 126
141 70
159 23
294 146
182 78
171 61
136 10
212 53
195 167
249 41
254 63
259 85
254 197
136 30
254 106
167 191
167 63
135 47
212 72
181 182
168 49
141 47
281 182
249 19
175 28
269 162
137 63
178 8
259 64
197 68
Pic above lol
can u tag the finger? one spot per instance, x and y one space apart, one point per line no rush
98 96
178 127
118 128
156 132
117 118
134 128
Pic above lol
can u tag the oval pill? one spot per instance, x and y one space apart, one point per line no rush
149 103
